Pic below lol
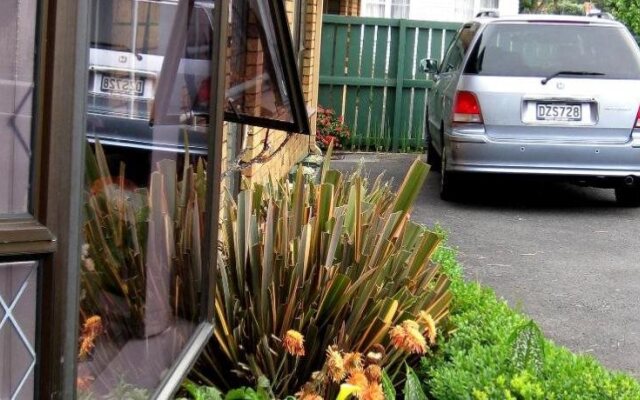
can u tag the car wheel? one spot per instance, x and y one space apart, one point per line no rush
628 196
449 181
433 158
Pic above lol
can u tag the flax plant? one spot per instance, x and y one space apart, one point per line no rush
339 262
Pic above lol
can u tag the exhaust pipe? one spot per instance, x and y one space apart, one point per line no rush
629 180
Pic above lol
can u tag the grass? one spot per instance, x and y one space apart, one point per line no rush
494 353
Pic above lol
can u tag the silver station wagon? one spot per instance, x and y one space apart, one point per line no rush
538 95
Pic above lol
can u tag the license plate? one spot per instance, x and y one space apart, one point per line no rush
558 112
115 84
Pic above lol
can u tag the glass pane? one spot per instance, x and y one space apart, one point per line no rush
145 188
17 47
256 85
544 49
130 102
18 291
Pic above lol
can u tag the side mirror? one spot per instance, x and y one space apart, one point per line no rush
429 65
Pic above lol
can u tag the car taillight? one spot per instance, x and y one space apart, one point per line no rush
638 119
466 108
204 92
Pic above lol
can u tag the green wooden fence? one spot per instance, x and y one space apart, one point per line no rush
369 74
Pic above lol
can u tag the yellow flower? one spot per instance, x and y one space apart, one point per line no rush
373 373
353 362
293 343
407 337
372 392
335 364
430 326
359 380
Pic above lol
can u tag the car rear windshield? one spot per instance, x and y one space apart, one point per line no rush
540 49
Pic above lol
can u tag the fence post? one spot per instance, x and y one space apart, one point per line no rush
397 117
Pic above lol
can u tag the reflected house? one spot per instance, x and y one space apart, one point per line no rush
115 135
436 10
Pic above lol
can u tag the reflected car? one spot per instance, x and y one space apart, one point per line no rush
554 96
129 41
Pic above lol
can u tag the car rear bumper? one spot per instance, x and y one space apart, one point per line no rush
138 134
471 150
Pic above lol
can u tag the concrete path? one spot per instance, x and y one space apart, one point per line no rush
567 256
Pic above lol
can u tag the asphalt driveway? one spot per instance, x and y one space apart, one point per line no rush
569 257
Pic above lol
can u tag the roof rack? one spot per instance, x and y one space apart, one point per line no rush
600 14
488 14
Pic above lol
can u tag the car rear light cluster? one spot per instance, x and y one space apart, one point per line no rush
637 126
466 108
204 93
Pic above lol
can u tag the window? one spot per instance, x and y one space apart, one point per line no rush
397 9
262 79
458 48
144 200
147 232
17 329
541 50
16 103
490 4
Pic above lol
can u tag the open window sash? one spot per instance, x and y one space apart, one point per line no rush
263 86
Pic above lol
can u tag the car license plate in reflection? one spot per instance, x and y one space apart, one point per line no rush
558 112
113 84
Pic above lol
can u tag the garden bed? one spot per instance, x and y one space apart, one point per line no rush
330 291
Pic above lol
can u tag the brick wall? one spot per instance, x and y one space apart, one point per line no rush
350 7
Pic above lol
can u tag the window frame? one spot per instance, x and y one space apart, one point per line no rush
51 233
284 41
444 67
54 231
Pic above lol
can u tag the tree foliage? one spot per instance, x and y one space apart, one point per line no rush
626 11
566 7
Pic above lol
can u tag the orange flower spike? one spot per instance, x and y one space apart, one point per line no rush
407 337
429 326
93 325
91 329
359 380
311 396
335 365
372 392
373 373
308 393
293 343
353 362
397 335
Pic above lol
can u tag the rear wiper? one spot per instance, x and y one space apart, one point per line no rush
575 73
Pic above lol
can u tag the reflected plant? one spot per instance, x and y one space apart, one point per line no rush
133 232
339 262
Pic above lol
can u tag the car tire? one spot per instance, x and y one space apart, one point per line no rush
433 158
449 181
628 196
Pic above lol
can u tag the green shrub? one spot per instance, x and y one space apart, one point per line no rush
484 357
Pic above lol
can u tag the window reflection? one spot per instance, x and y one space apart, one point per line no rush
17 50
255 85
129 43
144 198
